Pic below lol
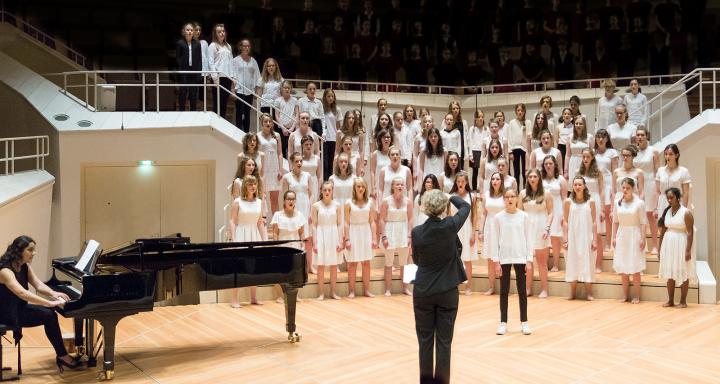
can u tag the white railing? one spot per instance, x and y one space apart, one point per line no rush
92 81
688 83
42 37
42 150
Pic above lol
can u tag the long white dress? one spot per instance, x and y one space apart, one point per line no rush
593 186
396 226
579 258
537 218
326 235
672 252
434 165
288 227
493 205
360 234
271 167
629 258
469 253
644 161
575 149
248 215
300 187
604 162
342 192
310 166
553 186
669 179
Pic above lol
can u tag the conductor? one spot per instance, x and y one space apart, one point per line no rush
436 251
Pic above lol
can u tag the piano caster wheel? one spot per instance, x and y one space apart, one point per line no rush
294 337
105 375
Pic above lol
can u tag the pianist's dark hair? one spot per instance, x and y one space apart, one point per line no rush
13 255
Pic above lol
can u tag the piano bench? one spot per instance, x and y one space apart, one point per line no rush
17 331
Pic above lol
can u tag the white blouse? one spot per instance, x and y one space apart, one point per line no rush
287 109
314 107
270 90
517 133
637 108
246 74
330 124
220 58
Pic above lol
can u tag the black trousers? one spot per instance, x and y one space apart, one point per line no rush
242 112
328 155
227 83
434 324
519 166
505 290
190 93
34 315
475 165
316 126
562 148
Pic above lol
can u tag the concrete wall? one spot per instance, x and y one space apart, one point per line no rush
26 211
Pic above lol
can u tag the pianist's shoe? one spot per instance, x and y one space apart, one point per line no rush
73 366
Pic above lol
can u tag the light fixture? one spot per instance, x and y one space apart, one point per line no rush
145 163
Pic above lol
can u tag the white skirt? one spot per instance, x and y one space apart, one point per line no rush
327 239
628 258
672 258
360 243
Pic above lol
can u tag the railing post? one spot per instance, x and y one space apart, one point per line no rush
12 157
96 91
660 113
157 92
37 152
218 95
714 85
204 89
65 83
701 98
143 92
87 81
7 157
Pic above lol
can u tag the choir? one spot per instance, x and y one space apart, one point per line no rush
341 202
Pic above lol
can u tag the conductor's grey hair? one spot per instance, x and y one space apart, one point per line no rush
435 202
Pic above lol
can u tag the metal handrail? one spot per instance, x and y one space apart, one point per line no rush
42 150
42 37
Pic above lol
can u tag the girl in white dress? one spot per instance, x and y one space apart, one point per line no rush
450 135
394 222
492 201
622 132
452 165
637 106
270 145
629 221
419 147
392 171
516 132
246 167
269 85
606 105
488 165
503 167
342 179
298 181
383 123
538 205
379 159
327 238
581 235
495 134
432 159
360 231
606 158
288 223
546 148
350 129
554 183
345 146
312 165
251 149
468 232
247 224
295 139
533 136
676 242
550 116
596 185
475 138
672 175
648 159
429 183
628 169
566 129
581 139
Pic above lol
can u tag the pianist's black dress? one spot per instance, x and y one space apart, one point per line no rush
15 311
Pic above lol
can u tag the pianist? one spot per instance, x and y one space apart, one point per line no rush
20 307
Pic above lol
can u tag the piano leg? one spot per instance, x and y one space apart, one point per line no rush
290 306
109 325
90 342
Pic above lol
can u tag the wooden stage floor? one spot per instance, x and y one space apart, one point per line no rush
373 341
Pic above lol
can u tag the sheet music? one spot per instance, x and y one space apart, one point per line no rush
87 256
409 272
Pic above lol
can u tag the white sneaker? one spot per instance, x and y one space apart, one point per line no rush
501 329
525 328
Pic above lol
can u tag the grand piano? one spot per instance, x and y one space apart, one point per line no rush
130 280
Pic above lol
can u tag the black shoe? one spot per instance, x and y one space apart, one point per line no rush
75 365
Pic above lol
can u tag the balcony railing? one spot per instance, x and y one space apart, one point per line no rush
41 151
